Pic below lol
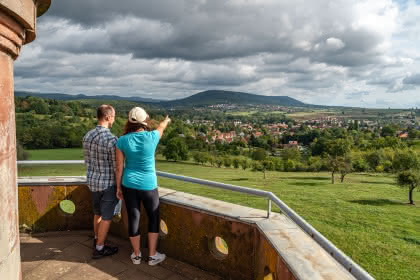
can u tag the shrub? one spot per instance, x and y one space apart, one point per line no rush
245 164
379 168
227 162
289 165
236 162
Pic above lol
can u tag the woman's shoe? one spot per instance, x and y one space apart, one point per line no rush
136 259
157 258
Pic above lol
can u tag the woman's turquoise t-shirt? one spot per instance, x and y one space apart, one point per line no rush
139 153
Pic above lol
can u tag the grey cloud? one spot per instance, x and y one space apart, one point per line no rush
208 30
312 50
94 12
356 95
311 84
412 80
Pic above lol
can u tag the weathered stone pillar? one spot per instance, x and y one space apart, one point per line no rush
17 27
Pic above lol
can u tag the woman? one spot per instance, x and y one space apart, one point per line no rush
135 154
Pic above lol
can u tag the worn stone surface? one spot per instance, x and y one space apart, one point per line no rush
67 255
17 26
25 12
38 208
9 238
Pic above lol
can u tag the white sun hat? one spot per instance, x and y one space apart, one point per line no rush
138 115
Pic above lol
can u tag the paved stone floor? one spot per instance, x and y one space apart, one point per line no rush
67 255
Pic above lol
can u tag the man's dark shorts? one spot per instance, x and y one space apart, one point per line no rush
104 203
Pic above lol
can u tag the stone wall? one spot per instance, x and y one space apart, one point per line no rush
257 247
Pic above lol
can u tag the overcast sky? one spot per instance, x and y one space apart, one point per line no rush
338 52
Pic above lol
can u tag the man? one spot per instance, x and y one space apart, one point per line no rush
99 153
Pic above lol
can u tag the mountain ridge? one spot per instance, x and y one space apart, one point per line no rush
69 97
214 97
203 98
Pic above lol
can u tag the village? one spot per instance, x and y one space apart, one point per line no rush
244 131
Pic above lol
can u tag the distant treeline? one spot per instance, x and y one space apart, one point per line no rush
48 123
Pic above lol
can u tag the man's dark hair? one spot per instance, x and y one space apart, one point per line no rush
104 111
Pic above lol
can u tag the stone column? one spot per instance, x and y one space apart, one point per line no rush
17 27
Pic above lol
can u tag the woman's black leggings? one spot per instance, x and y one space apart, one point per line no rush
150 200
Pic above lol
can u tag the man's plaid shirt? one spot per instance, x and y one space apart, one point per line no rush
99 151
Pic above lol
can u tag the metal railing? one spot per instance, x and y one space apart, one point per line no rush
337 254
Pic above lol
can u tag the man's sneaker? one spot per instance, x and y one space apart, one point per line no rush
136 259
157 258
106 251
105 243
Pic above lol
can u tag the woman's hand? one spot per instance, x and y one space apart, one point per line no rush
162 126
119 194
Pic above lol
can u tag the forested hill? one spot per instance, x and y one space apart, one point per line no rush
205 98
213 97
69 97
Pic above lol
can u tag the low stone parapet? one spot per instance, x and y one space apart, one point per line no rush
233 241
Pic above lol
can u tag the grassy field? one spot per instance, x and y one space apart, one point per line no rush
249 113
367 216
311 115
55 154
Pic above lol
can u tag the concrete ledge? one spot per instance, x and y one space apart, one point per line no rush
257 246
303 256
52 181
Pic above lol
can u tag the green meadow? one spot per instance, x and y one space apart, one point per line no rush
56 154
367 216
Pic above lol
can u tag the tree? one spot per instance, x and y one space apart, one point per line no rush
205 157
259 154
278 164
227 162
413 133
21 154
256 165
344 167
374 158
405 160
245 164
410 179
314 163
356 125
289 165
176 149
236 163
337 151
197 157
219 162
211 160
388 131
319 146
267 165
290 153
358 161
39 105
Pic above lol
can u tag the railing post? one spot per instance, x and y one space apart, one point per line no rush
269 209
